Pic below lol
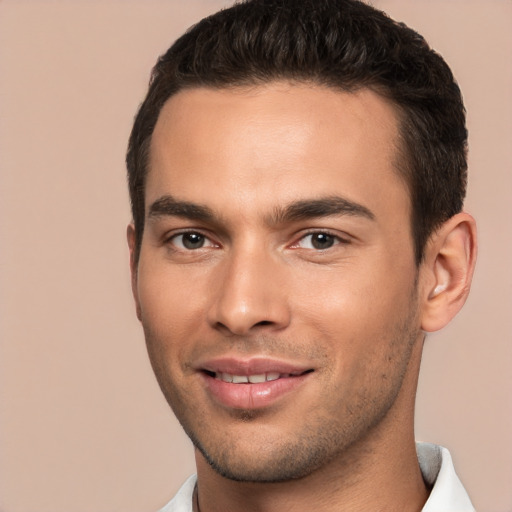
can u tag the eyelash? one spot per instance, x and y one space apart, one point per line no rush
171 239
336 238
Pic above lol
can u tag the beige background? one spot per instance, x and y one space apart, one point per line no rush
83 426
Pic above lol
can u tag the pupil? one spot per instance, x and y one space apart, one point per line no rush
322 241
193 240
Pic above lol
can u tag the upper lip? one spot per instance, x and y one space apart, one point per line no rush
251 366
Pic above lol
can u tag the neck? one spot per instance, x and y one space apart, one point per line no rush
379 472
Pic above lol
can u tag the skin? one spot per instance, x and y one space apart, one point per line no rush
335 290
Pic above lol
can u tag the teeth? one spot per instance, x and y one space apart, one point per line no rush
245 379
254 379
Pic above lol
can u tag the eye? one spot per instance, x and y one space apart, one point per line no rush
191 240
318 241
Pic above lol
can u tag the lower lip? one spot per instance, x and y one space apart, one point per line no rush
252 396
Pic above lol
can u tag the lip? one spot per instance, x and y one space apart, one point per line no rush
249 396
251 366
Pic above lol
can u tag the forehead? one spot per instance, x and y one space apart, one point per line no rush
283 139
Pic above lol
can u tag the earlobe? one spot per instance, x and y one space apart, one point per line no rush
447 271
132 245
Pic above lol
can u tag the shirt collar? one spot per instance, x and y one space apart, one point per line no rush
448 494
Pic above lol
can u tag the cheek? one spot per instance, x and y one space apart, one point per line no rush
357 316
170 308
168 318
350 298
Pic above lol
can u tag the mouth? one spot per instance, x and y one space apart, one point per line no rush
254 384
258 378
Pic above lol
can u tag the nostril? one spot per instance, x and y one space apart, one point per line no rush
264 322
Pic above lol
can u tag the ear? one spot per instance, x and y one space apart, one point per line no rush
447 271
132 244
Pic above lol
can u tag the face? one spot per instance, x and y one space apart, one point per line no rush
276 279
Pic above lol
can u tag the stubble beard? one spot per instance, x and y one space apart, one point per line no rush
317 441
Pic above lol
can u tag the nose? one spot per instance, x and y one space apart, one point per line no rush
249 294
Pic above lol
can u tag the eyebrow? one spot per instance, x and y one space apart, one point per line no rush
295 211
322 207
169 206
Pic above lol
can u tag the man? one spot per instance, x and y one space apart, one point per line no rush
297 174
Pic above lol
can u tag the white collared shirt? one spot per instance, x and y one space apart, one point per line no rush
447 495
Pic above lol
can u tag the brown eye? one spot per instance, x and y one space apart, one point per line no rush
318 241
322 240
189 241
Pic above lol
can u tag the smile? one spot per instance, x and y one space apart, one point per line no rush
253 379
252 387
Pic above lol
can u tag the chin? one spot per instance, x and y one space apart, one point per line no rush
258 471
260 460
